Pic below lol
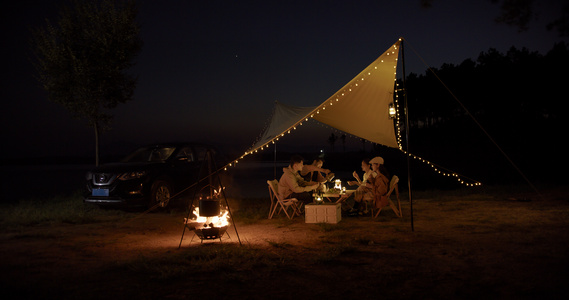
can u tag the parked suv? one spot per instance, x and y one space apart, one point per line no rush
151 175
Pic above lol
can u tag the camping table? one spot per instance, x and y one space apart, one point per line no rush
341 196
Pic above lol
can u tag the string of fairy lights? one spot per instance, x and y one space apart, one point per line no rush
337 97
436 168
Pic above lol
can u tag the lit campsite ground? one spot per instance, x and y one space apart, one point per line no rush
492 244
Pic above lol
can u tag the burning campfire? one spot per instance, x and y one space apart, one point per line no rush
208 220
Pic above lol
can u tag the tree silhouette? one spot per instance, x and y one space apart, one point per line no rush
520 13
81 60
518 97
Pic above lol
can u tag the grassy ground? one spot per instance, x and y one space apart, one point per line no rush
469 244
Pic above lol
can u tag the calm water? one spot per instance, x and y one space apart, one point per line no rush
247 179
40 181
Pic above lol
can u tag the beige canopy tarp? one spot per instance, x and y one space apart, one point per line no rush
360 108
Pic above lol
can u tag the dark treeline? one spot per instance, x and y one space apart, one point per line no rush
519 98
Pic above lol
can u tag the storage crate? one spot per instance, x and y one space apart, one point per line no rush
323 213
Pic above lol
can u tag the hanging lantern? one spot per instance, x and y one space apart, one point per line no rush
392 111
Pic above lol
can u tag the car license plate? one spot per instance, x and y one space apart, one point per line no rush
101 192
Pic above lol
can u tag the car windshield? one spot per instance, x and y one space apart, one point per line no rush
146 154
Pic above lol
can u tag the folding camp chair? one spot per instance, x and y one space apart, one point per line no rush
392 187
282 204
272 197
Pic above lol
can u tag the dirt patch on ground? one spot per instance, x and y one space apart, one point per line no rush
461 248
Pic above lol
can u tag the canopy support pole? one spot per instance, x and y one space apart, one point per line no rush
407 135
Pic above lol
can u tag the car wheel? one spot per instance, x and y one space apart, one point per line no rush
161 193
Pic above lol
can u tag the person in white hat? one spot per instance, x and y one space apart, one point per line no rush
379 167
377 160
380 182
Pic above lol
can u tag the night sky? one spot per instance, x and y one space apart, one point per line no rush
211 70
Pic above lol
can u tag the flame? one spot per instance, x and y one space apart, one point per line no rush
215 221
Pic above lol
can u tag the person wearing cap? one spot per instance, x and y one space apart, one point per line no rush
292 185
378 160
380 182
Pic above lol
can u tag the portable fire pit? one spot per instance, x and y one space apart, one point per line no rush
211 233
210 222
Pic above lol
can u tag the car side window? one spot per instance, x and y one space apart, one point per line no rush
185 154
200 152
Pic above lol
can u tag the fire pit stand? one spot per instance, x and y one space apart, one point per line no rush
208 208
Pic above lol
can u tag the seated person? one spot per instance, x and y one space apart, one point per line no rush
374 185
380 182
314 172
364 186
292 185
